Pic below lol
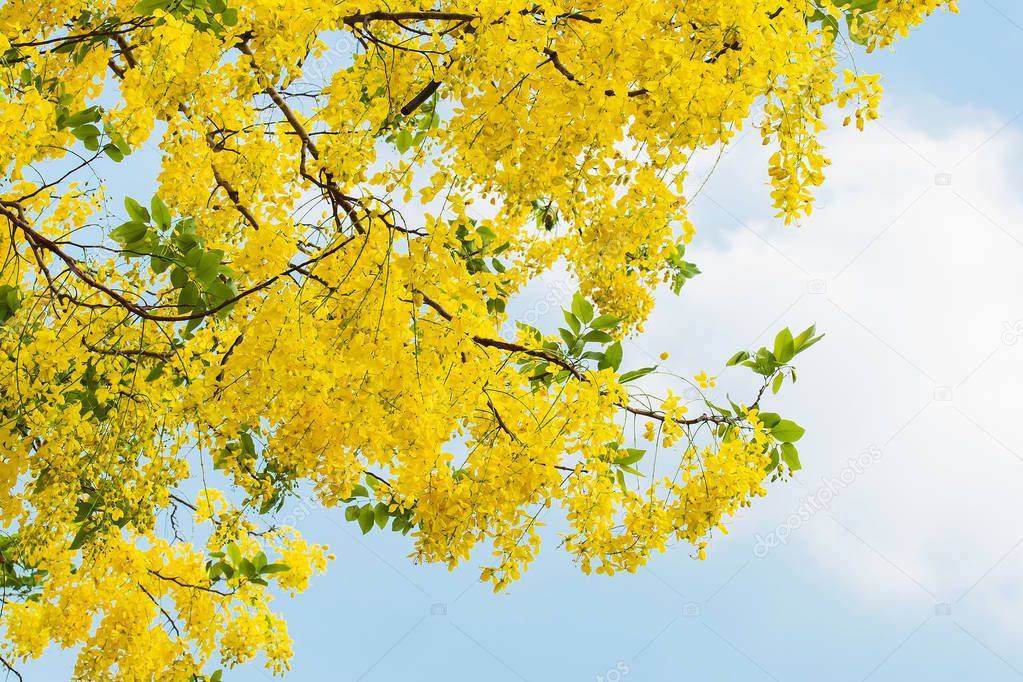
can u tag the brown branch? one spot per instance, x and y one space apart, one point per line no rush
579 16
564 364
223 361
504 427
232 194
80 37
10 669
129 353
555 60
182 501
335 195
368 17
37 239
170 621
182 583
501 344
421 98
129 57
659 416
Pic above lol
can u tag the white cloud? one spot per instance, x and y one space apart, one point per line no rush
917 242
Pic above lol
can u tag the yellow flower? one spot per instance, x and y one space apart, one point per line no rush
390 349
705 381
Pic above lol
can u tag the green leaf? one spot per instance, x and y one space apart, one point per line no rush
717 408
246 568
189 299
859 5
572 321
275 568
403 141
737 358
635 374
582 308
84 132
605 322
217 570
803 336
90 115
129 232
487 233
790 456
366 518
787 431
217 676
219 292
137 212
769 419
233 553
631 456
248 444
113 153
784 348
84 534
776 384
810 342
179 277
612 357
736 409
207 267
161 214
351 512
193 255
597 336
10 301
380 514
149 6
156 372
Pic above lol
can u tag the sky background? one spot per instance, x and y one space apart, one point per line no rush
896 553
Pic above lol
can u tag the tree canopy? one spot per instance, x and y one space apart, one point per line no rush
323 294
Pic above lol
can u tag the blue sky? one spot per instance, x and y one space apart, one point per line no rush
898 548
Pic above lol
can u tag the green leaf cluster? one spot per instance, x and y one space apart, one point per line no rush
480 255
243 458
368 514
680 270
10 301
406 133
851 9
213 16
199 275
93 516
231 565
773 363
17 579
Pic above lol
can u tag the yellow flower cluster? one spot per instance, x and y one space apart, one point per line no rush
350 200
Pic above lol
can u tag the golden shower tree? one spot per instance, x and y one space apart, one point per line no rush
317 296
